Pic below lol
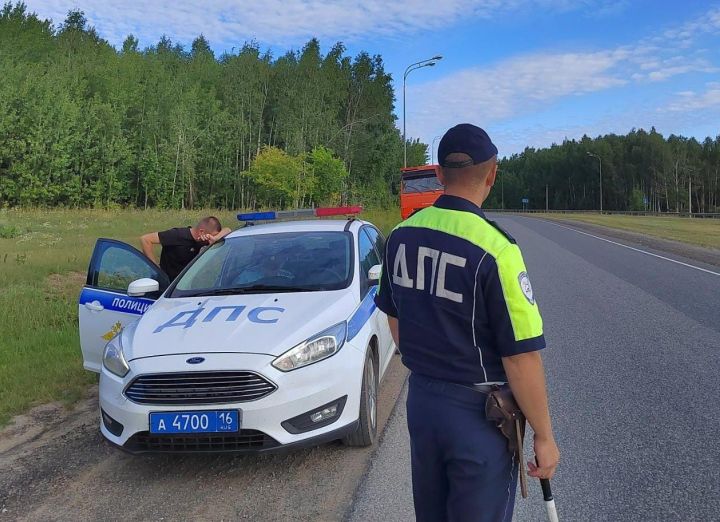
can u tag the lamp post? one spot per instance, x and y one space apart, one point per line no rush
432 150
600 160
430 62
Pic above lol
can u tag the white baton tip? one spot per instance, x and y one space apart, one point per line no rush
551 511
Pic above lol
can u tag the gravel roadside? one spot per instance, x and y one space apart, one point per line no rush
54 465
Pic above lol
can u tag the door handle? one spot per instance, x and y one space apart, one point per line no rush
94 306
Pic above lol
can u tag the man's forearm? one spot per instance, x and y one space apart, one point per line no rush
224 232
526 377
147 248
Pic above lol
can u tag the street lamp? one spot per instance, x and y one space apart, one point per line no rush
432 150
600 160
430 62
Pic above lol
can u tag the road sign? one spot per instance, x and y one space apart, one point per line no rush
525 201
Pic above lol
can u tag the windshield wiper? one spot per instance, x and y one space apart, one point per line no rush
253 289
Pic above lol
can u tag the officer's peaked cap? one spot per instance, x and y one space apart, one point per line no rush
469 139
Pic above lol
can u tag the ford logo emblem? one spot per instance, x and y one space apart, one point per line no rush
195 360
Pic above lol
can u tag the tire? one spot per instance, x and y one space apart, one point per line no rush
366 432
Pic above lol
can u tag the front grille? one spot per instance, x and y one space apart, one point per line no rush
244 440
198 388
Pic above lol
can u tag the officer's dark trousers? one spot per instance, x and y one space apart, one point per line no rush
461 468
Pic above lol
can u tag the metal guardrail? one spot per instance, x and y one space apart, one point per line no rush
710 215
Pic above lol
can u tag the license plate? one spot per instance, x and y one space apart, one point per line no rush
223 421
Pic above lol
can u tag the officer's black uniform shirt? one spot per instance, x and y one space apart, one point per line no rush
458 285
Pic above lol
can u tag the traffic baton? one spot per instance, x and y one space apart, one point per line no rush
549 501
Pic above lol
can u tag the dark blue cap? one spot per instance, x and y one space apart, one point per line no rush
467 139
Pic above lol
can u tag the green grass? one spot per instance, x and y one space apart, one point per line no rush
44 256
42 269
385 219
695 231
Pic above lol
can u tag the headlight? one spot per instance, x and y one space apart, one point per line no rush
317 348
113 358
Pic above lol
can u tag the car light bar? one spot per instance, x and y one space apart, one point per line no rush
300 213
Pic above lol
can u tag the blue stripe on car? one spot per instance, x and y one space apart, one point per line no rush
362 314
115 301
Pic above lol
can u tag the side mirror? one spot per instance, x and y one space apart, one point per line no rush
142 286
374 273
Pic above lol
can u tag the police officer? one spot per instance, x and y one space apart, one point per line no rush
464 316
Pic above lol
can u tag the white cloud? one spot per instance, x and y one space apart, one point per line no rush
530 84
288 22
512 87
691 101
668 70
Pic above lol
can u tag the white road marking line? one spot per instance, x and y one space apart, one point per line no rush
635 249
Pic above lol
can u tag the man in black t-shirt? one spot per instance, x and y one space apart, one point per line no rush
181 245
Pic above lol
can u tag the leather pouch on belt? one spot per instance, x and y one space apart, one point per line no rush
501 408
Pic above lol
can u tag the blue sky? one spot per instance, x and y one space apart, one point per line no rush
531 72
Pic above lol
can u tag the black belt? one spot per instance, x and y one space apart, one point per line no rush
482 388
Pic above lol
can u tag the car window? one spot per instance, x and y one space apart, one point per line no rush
377 239
368 257
118 266
292 261
207 269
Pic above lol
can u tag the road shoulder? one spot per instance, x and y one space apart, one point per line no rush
55 465
696 253
385 492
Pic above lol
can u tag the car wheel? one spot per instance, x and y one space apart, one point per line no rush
367 428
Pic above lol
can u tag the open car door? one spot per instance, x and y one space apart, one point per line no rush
105 307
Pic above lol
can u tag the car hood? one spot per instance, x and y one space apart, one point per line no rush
263 323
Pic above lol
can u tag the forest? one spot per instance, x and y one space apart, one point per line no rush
83 124
641 171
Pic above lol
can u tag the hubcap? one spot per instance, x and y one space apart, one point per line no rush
371 391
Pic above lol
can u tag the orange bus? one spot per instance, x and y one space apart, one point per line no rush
419 188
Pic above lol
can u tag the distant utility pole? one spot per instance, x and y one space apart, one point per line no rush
690 171
501 173
600 160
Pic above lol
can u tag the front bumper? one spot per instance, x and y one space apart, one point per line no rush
192 447
297 392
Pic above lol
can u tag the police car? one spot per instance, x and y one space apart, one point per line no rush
268 339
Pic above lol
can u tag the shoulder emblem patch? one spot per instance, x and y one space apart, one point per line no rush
526 287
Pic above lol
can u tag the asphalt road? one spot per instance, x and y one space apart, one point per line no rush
633 369
633 364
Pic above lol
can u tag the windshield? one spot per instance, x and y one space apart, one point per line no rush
283 262
422 181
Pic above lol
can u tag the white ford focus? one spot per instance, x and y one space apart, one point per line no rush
268 339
